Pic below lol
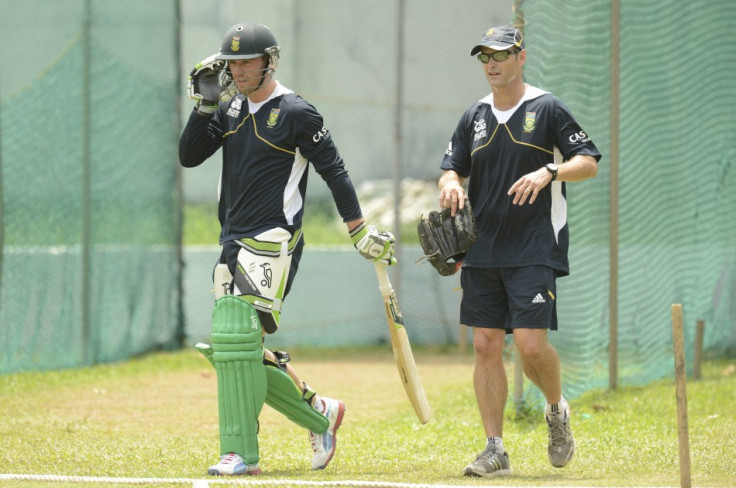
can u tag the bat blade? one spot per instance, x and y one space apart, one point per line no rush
402 349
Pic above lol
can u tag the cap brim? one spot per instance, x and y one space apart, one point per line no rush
493 45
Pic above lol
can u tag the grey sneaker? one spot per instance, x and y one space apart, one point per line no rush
561 447
489 463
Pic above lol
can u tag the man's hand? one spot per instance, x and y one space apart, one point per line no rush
528 186
452 193
374 245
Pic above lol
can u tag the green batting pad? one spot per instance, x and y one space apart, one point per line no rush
285 397
241 375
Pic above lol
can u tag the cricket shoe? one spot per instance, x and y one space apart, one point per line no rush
232 464
561 443
489 463
323 445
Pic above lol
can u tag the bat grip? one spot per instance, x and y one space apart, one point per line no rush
383 282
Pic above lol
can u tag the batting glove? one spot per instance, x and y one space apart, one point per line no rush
374 245
209 84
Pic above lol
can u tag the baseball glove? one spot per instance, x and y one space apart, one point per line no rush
445 239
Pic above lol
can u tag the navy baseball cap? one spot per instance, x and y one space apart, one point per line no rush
500 39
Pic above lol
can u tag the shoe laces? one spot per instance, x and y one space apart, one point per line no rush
229 458
557 432
314 440
488 453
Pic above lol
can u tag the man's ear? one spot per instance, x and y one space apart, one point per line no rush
522 56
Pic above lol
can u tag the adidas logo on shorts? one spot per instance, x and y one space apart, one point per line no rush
538 299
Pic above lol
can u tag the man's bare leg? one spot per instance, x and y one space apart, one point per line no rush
542 367
491 390
541 362
489 378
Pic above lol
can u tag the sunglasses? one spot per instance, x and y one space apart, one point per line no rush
498 56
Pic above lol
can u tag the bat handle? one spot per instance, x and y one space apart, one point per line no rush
383 282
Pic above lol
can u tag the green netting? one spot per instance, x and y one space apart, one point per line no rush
677 152
89 131
90 209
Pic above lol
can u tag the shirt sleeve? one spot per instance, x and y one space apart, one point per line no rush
570 138
201 138
457 155
315 143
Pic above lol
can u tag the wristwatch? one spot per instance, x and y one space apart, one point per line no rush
552 168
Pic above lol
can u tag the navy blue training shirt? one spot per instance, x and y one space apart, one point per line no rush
494 149
266 151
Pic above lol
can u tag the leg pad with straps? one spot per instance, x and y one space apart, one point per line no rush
241 376
284 396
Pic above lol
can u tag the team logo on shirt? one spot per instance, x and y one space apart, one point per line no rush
234 110
449 149
529 121
480 129
273 117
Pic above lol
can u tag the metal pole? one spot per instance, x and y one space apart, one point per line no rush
613 190
698 349
398 134
180 334
90 345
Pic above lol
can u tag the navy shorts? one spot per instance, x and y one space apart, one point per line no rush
509 298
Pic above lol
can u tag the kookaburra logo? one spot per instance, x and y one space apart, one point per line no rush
225 287
267 275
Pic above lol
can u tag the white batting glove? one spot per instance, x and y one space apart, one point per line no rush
374 245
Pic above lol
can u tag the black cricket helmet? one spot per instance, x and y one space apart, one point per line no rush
248 40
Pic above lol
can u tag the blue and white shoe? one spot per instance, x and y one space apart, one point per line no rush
323 445
232 464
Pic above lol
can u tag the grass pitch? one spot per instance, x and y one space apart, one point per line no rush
156 417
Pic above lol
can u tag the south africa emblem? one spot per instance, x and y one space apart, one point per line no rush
235 44
272 117
529 121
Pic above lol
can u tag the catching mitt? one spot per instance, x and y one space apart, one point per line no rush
445 240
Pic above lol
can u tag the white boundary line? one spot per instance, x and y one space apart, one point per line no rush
204 483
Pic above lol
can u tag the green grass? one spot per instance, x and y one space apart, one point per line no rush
156 416
322 225
200 225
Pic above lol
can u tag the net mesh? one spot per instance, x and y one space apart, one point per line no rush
89 128
676 154
90 226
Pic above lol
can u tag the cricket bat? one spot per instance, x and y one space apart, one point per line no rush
402 348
